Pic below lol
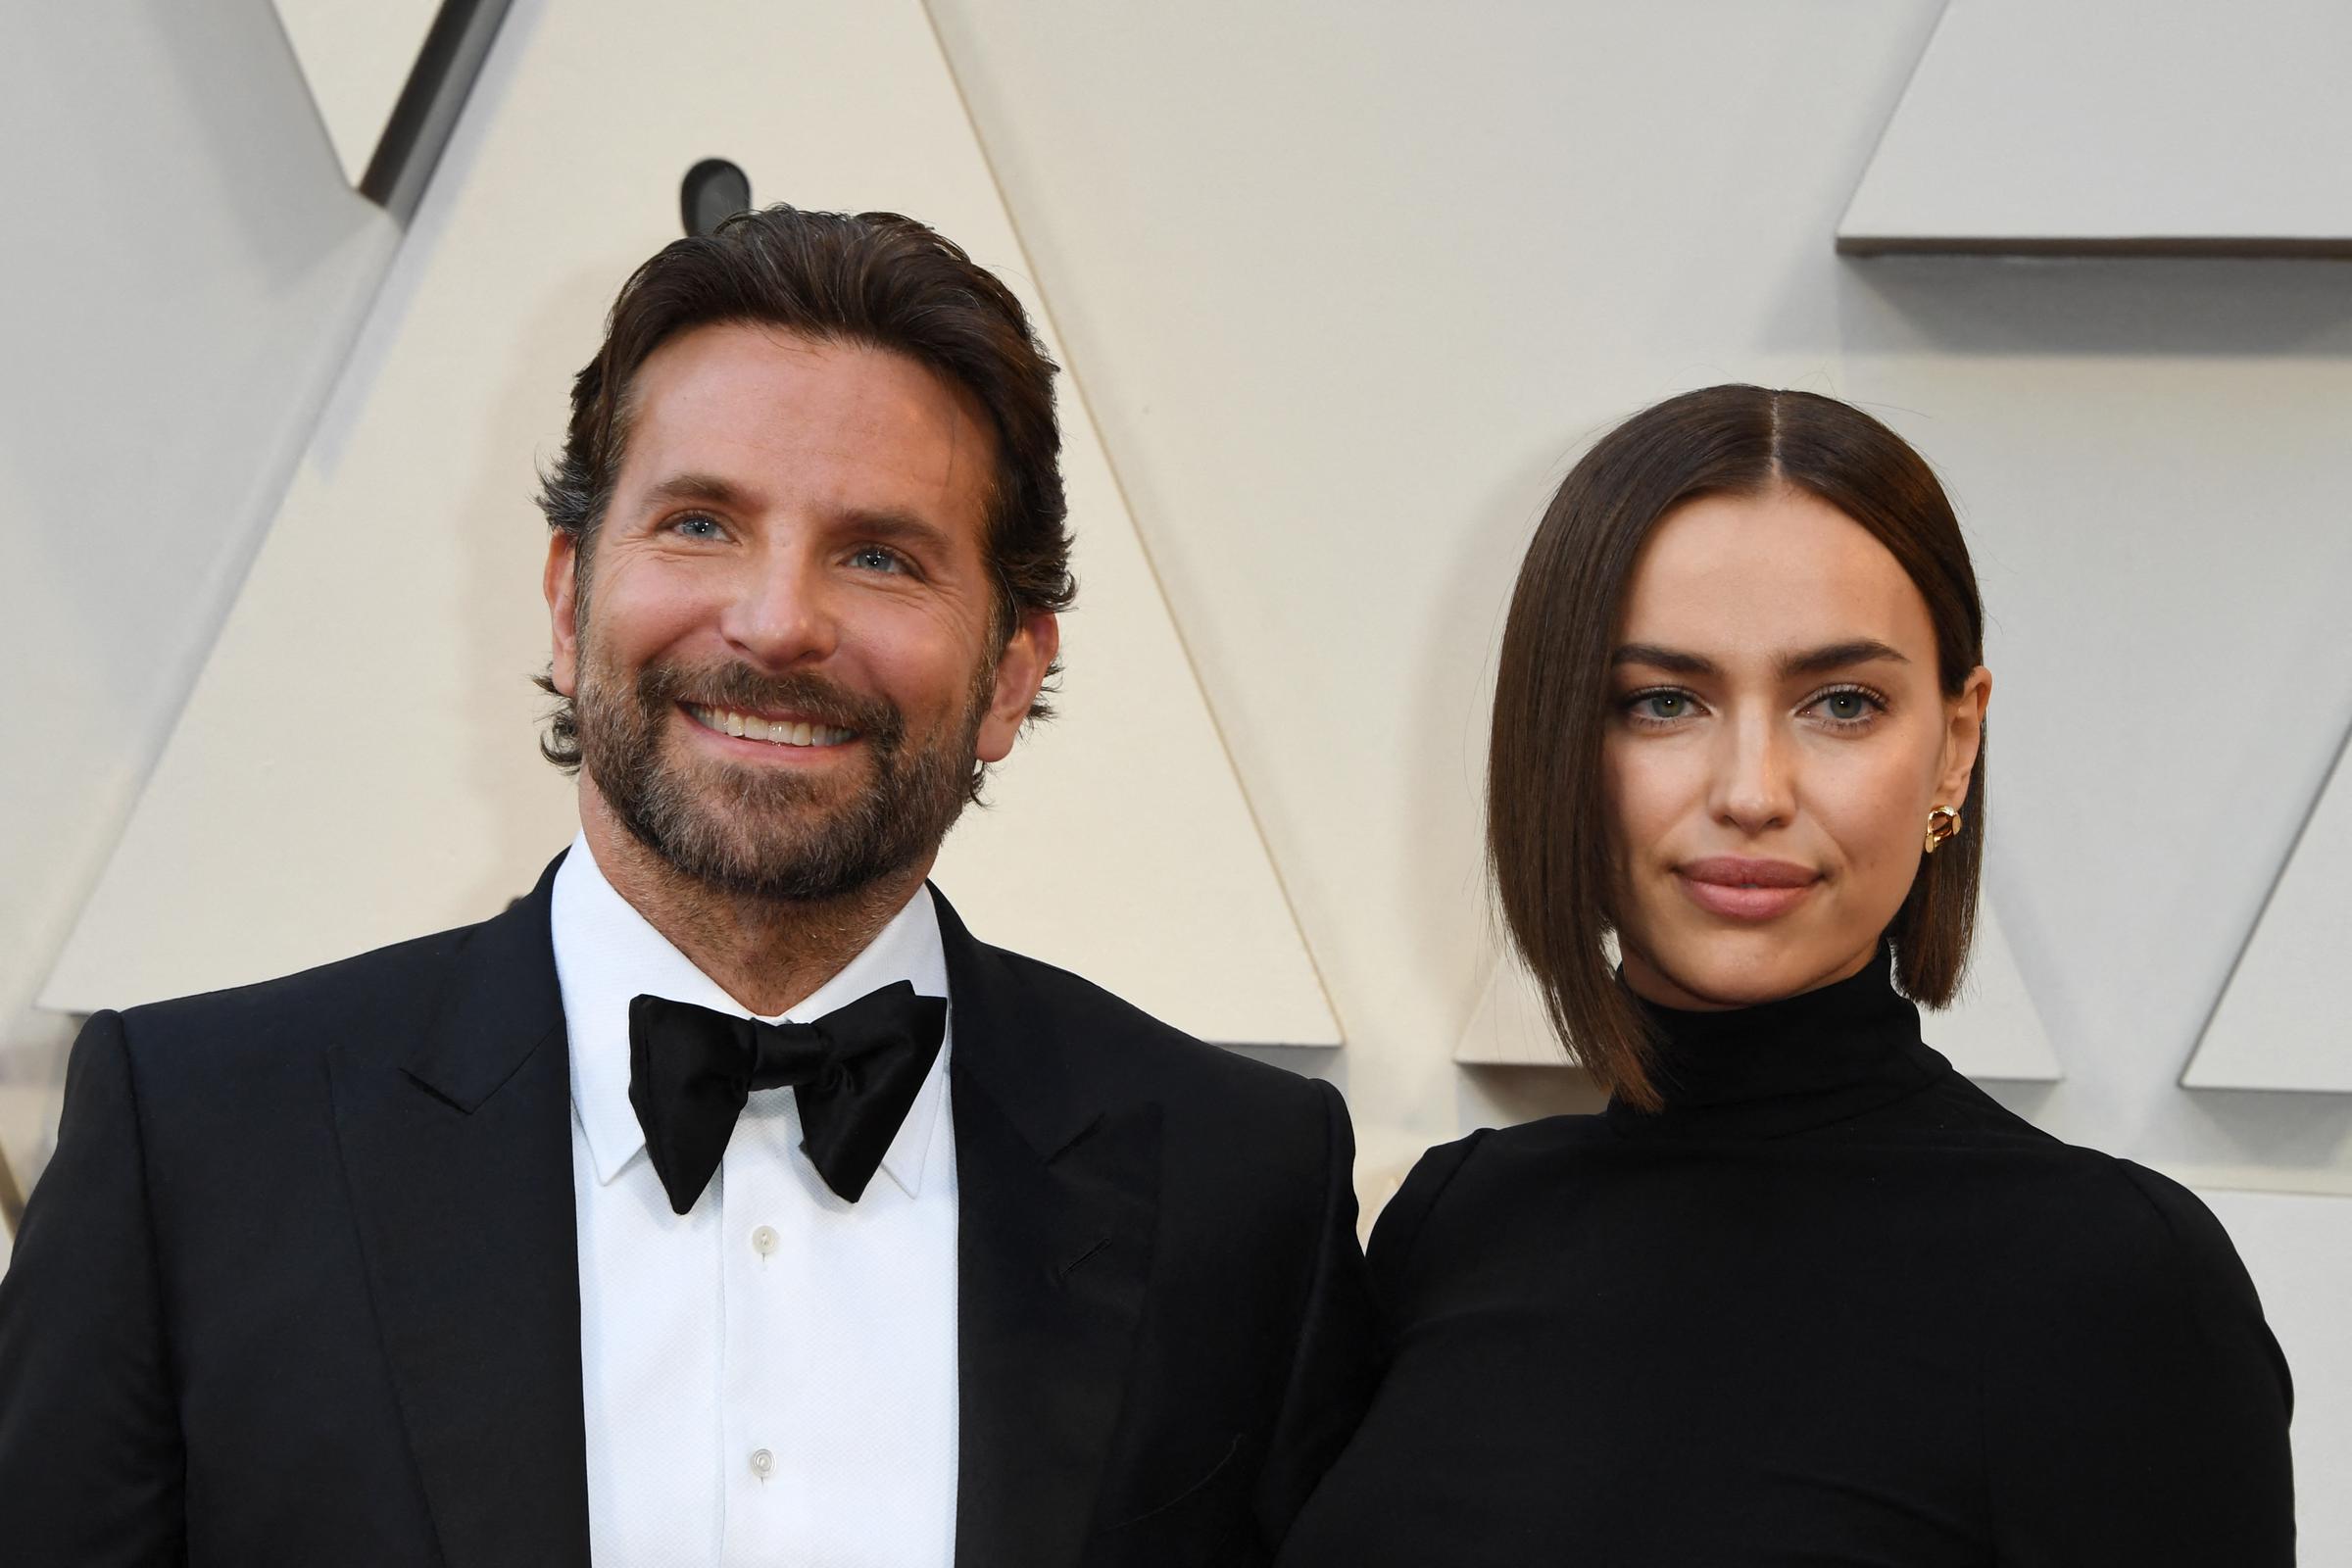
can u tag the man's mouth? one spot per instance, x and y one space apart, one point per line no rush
785 731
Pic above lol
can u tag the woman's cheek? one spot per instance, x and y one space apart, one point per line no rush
1872 828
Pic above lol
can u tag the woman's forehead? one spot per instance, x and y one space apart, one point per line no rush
1767 574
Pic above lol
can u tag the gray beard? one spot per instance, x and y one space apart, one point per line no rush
763 833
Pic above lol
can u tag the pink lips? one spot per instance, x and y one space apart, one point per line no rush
1741 889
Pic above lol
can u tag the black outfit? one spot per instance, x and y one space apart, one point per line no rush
1833 1305
300 1285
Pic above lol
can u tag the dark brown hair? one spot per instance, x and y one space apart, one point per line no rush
876 279
1548 839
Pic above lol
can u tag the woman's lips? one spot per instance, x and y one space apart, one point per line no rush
1740 889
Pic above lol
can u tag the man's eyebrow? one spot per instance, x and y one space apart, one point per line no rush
698 487
893 526
1838 656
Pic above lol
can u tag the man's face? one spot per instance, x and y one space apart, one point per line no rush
788 664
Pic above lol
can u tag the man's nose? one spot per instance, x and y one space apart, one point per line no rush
781 612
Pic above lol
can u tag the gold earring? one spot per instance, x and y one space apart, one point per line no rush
1943 822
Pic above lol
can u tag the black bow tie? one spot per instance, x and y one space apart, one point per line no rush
855 1071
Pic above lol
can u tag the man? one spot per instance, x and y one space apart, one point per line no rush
520 1242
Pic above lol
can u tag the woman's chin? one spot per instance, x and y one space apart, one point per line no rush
1715 970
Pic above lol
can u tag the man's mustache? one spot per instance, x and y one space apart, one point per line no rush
802 694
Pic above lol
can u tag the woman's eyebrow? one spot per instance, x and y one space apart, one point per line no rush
1838 656
1812 661
1659 657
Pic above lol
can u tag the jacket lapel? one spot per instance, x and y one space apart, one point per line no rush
458 1148
1059 1200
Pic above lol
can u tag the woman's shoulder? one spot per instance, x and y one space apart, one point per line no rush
2120 1321
1483 1176
1497 1156
2050 1207
2097 1271
2093 1216
1398 1229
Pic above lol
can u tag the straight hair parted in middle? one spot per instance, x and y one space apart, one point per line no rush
1547 815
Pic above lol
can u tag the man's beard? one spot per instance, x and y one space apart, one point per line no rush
765 832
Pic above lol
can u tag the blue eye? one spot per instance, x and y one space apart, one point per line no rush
1661 707
697 526
873 558
1849 707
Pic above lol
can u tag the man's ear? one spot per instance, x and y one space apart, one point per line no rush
562 584
1963 737
1021 670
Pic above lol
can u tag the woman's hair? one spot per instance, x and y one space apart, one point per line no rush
1547 811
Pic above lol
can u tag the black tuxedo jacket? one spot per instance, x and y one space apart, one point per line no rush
301 1284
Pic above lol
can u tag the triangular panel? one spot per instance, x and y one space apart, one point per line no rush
2279 1023
357 763
356 58
2068 130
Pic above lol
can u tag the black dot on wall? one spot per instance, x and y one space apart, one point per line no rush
713 191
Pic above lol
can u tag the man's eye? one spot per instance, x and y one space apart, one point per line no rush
696 525
873 558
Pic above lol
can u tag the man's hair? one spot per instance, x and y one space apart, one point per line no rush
1547 811
873 279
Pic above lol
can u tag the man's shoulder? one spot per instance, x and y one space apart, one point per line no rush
1129 1052
387 989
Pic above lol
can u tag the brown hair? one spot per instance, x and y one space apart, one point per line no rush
1547 811
873 278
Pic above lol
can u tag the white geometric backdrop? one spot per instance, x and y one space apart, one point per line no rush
356 58
2145 127
1345 287
356 764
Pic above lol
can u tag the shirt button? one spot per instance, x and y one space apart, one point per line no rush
764 1240
764 1463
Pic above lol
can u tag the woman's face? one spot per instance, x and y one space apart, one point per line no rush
1777 740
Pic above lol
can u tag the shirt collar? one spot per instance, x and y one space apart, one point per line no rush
607 954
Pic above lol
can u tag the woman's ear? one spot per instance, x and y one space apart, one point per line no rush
1963 736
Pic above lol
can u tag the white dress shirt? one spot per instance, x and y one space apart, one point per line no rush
769 1377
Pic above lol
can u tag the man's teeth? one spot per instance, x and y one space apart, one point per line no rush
783 732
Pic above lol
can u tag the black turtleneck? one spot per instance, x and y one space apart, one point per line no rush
1831 1305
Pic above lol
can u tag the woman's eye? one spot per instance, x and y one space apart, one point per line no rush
1848 707
873 558
1663 707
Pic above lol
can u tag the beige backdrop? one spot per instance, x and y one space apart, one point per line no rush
1345 286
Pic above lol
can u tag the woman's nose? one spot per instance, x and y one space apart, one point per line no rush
1754 787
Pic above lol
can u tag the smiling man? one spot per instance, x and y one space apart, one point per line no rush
723 1200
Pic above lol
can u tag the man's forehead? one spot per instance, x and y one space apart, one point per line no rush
757 407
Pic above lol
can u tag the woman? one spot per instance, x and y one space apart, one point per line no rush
1802 1294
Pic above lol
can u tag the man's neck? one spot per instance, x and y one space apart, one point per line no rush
771 955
